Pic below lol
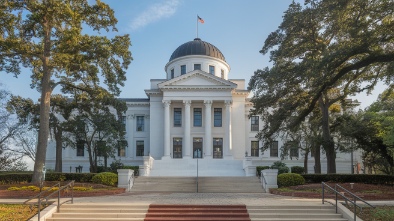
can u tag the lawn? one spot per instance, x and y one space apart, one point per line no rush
16 212
368 192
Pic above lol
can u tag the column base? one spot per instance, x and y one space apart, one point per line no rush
166 158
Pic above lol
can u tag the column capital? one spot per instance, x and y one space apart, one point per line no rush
228 102
208 102
187 102
166 103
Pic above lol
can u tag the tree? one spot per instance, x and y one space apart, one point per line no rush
96 125
47 37
319 47
373 131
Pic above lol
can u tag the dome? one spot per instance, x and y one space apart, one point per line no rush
197 47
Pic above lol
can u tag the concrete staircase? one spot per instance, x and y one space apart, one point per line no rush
98 212
294 213
188 167
132 212
197 212
205 184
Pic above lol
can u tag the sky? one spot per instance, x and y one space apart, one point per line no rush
157 27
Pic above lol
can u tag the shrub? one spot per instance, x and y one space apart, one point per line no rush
106 178
290 179
297 169
260 168
135 168
350 178
282 168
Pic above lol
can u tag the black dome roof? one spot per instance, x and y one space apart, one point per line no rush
197 47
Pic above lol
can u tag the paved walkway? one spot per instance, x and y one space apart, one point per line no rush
251 199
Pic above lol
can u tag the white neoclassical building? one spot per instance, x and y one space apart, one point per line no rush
195 117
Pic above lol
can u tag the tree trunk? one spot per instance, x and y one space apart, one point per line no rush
45 103
306 162
328 142
59 149
317 159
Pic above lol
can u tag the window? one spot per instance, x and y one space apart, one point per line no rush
80 148
177 117
274 149
124 123
217 147
197 66
212 69
140 148
183 69
172 73
254 149
122 144
222 73
254 123
101 148
177 147
197 117
217 117
294 152
140 123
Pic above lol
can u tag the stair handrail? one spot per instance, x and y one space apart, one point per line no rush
40 198
343 196
131 181
263 181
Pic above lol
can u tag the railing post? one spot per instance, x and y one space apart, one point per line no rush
58 198
322 186
336 200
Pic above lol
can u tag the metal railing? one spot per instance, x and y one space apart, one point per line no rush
354 201
263 181
131 181
46 195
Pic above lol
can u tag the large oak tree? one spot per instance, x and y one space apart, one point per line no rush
61 43
322 46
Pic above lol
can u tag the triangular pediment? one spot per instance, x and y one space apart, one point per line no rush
197 79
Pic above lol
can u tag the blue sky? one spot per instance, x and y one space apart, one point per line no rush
157 27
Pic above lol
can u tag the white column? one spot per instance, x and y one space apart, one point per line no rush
186 135
227 135
166 129
208 128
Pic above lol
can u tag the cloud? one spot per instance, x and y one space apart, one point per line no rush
154 13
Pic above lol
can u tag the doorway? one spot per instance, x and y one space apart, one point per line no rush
197 147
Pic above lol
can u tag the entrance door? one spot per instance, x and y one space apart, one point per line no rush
197 147
217 147
177 148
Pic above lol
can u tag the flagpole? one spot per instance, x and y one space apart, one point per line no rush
197 25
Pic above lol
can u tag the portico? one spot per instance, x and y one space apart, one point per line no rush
211 125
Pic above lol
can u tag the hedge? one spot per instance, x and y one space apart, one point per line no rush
260 168
349 178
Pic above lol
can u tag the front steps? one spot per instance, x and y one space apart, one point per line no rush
205 184
206 167
100 212
295 213
197 213
132 212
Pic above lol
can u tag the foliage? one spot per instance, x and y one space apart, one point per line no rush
53 39
373 132
322 52
10 178
260 168
282 168
106 178
349 178
384 214
290 179
297 169
17 211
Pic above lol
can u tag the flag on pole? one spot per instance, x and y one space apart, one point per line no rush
200 19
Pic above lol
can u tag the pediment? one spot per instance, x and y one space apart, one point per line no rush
197 79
